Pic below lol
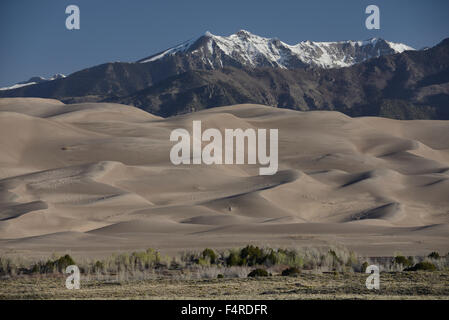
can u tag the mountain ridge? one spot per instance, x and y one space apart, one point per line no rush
252 50
34 80
410 85
413 84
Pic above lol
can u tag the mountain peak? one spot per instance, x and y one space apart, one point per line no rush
57 76
243 33
247 49
33 80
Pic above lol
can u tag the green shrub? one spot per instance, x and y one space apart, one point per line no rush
402 261
271 258
63 262
434 255
233 259
140 260
290 258
291 272
336 261
364 266
422 266
7 266
220 276
352 259
259 272
51 266
252 255
203 262
210 254
98 266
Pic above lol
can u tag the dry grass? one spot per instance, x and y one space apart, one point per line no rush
335 273
400 285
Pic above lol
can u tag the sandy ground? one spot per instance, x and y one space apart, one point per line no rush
96 178
404 285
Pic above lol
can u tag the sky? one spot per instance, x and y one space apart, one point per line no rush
35 41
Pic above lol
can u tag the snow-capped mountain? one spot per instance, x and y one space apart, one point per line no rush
33 80
406 85
247 49
208 51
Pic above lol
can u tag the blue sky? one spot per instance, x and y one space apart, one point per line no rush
34 40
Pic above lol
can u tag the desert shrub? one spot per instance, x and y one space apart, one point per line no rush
203 262
336 258
153 256
422 266
401 260
220 276
63 262
364 266
251 255
36 268
123 262
7 266
323 259
210 254
206 257
190 257
271 258
434 255
209 272
290 272
352 259
290 258
50 266
138 260
176 265
236 272
336 261
98 266
230 263
259 272
234 259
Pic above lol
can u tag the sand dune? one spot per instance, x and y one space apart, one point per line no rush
96 177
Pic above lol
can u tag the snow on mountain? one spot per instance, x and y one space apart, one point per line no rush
57 76
18 85
34 80
248 49
179 48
